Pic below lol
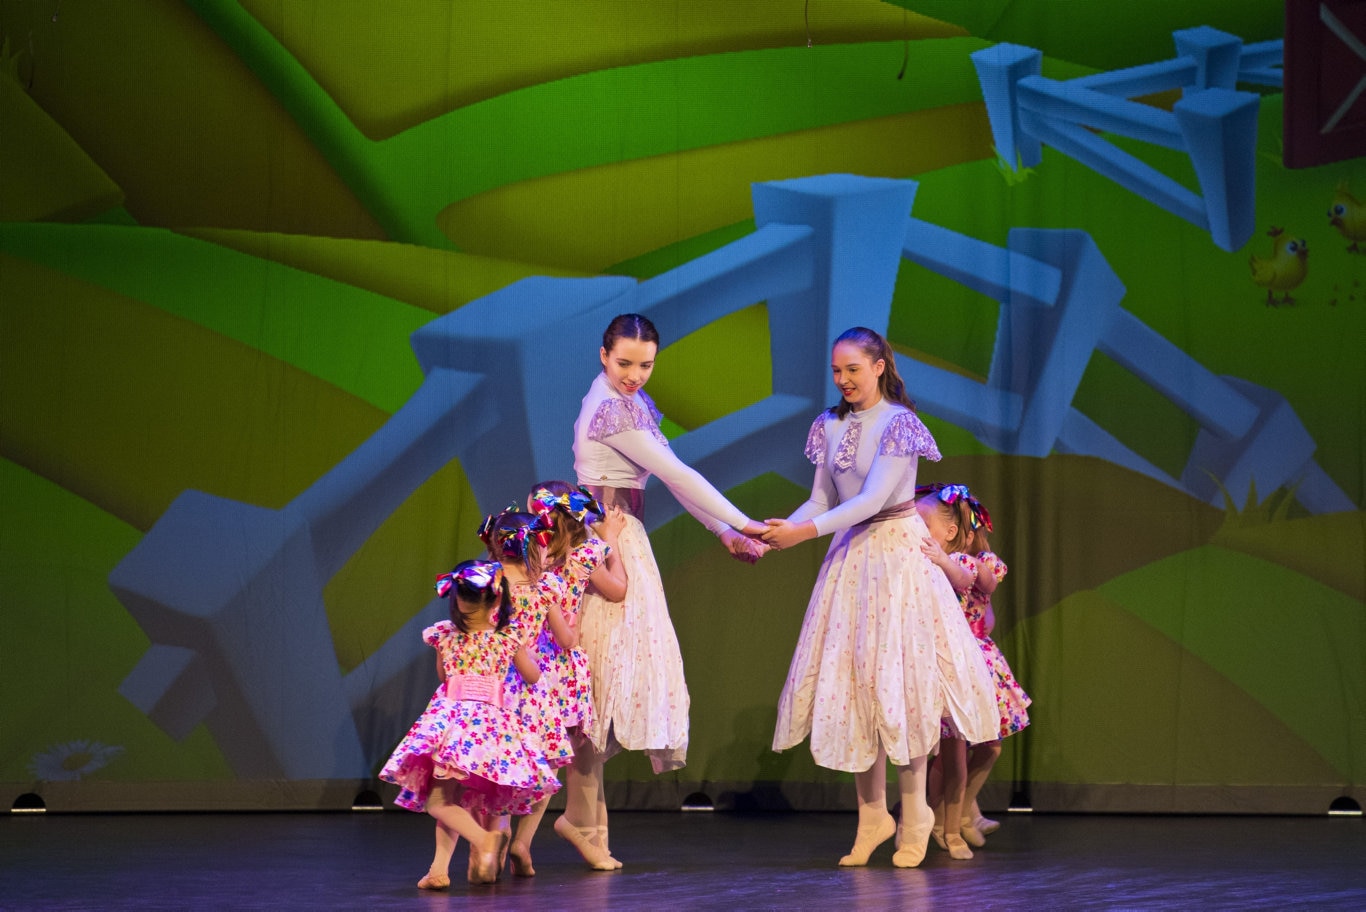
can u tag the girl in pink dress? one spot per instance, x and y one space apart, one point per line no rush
468 753
959 525
579 560
516 539
884 651
640 698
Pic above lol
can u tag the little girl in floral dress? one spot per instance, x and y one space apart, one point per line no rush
468 753
516 539
958 525
581 560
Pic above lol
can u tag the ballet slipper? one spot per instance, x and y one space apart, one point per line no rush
985 825
485 867
602 841
504 847
520 856
867 839
581 839
971 835
937 834
912 843
957 847
434 881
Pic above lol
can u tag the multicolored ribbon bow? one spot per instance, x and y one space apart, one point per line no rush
478 575
578 504
951 494
485 531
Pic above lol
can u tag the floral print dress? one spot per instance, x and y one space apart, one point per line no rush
538 704
1011 698
568 669
483 745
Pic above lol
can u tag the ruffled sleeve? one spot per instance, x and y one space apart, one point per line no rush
968 563
815 439
995 564
906 435
615 416
437 632
585 558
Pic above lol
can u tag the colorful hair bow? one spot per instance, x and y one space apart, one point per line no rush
581 505
485 531
578 504
511 542
544 501
951 494
477 575
541 527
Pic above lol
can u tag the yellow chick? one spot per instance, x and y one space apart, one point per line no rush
1284 270
1348 215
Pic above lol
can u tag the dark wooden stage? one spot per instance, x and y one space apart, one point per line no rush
687 860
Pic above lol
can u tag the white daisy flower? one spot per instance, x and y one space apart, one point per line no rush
72 760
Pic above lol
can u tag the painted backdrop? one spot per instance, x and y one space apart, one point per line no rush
293 291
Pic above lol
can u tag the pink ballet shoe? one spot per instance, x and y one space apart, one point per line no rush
581 838
520 857
434 881
912 843
957 847
937 834
971 835
602 841
485 865
985 825
867 839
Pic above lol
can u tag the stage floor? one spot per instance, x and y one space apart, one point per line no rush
687 860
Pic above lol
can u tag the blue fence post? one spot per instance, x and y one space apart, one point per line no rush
1041 352
858 224
1275 451
1217 56
999 71
1220 129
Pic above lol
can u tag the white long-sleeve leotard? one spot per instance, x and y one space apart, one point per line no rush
865 463
618 444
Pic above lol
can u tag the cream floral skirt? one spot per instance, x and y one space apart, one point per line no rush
884 654
640 699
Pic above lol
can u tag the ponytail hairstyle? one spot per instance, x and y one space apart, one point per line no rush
629 326
889 384
509 536
567 511
958 505
480 583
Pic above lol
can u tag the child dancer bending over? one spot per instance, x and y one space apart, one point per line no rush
467 754
958 525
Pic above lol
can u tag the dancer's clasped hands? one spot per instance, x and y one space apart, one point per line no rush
782 533
745 546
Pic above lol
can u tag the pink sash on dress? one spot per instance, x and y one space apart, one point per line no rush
481 688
